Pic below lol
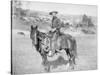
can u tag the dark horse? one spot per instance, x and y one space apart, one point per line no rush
52 43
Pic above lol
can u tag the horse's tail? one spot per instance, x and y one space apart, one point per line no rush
74 47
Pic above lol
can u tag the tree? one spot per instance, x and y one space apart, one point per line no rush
17 3
86 21
90 23
16 7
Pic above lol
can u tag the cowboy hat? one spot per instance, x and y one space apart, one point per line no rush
50 13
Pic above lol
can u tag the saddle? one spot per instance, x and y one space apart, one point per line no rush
48 40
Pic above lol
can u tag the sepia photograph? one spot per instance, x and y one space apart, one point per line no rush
51 37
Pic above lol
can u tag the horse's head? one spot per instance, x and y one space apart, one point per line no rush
33 28
33 33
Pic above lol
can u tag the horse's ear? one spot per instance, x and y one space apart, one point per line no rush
36 27
32 27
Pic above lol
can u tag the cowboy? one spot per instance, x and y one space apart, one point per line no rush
55 26
56 22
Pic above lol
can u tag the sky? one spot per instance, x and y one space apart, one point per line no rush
72 9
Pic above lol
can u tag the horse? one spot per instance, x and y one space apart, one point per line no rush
52 43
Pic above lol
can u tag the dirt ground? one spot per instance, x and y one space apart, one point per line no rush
26 60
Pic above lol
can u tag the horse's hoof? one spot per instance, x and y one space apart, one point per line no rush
47 69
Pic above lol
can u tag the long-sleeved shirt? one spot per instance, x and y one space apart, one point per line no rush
56 23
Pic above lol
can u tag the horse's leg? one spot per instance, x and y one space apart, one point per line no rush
71 57
74 60
74 51
47 68
44 59
68 52
45 62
